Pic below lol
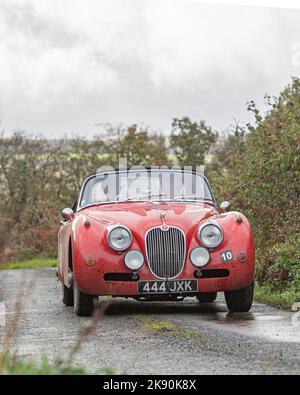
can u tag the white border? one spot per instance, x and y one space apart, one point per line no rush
288 4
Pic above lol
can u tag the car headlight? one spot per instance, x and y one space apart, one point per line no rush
211 235
199 257
119 238
134 260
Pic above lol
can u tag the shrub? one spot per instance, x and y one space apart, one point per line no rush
261 171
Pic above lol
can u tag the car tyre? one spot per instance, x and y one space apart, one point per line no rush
68 296
83 303
240 301
208 297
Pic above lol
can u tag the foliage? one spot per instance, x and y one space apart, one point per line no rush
258 169
284 299
12 365
137 145
283 271
191 141
39 177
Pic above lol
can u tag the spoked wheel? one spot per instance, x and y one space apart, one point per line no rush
208 297
240 301
68 297
83 303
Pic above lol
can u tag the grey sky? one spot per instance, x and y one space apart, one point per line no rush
67 65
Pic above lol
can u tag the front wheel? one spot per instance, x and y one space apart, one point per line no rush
240 301
68 298
83 303
208 297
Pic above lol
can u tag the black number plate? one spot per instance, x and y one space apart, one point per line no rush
162 287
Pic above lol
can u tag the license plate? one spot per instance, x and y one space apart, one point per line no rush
162 287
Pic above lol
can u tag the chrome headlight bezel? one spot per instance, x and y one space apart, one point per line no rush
216 243
111 244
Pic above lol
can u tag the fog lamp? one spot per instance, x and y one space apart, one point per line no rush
199 257
134 260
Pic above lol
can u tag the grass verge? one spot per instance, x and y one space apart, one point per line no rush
31 264
12 365
284 299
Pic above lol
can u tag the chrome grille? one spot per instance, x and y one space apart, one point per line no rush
166 251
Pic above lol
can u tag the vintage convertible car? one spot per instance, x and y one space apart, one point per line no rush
154 235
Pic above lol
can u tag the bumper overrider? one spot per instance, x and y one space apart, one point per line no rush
165 260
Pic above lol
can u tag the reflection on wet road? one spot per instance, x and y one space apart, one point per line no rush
262 321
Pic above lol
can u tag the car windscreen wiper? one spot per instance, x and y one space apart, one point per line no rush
191 198
148 196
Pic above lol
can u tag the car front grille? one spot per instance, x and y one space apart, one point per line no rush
166 250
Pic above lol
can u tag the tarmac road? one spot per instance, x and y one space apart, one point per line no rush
151 338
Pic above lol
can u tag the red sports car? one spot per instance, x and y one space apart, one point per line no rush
154 234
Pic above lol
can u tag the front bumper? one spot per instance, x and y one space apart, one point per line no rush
101 280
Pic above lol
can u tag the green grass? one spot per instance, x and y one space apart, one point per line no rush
160 326
12 365
168 327
284 299
31 264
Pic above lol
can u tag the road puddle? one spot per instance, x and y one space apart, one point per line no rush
277 326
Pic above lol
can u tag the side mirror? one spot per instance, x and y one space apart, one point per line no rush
67 214
225 206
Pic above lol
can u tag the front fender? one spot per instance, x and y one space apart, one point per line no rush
91 242
238 239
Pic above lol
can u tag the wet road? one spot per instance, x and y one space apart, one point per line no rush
151 338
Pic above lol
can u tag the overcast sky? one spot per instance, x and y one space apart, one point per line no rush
68 65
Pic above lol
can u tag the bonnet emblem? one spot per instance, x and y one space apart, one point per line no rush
163 220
